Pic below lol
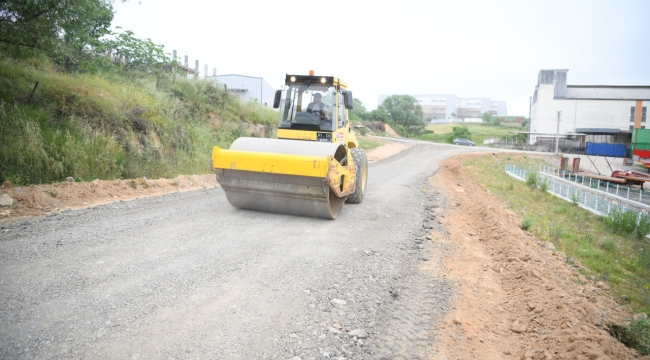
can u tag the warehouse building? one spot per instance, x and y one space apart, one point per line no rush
445 107
247 88
603 113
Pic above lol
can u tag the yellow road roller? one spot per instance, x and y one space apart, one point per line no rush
312 168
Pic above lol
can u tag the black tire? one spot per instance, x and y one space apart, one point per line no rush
361 162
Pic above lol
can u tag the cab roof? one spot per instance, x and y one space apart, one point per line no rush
315 79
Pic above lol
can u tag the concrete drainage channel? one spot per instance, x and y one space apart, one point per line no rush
577 188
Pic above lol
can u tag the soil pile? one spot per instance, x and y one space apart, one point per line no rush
517 297
41 199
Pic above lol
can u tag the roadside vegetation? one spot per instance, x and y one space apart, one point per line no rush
90 126
68 109
609 249
477 132
402 112
368 144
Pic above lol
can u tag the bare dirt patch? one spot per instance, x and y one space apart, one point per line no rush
389 148
40 199
517 299
391 132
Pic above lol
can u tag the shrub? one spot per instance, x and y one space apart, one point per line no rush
622 222
575 198
643 228
543 185
644 256
458 132
526 224
636 335
609 245
531 179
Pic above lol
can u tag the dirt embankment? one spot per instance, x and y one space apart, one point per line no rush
517 299
40 199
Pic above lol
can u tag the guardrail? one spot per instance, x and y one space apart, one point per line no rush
591 194
622 191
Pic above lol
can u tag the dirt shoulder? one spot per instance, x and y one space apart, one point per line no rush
41 199
516 299
36 200
388 148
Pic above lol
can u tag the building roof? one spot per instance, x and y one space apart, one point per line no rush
546 134
608 131
246 76
603 92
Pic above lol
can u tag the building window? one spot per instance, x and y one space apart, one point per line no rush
631 127
643 113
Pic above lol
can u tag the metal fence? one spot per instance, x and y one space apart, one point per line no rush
591 194
622 191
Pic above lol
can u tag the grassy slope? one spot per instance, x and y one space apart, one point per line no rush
90 127
479 132
621 260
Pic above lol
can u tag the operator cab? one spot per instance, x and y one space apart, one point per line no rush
312 103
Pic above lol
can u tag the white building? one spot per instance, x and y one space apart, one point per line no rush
248 88
593 109
446 106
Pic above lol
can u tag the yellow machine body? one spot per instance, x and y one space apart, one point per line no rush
309 170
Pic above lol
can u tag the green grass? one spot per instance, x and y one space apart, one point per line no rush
368 144
479 131
636 335
106 127
619 258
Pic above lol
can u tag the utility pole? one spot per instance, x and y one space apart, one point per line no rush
530 106
557 134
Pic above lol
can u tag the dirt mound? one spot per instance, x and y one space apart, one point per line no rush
392 132
41 199
381 127
388 148
517 299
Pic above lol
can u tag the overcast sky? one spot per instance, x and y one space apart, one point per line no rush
491 49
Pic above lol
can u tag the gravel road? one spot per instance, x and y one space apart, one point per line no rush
187 276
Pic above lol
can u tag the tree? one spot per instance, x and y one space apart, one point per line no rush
378 114
458 132
453 115
61 30
487 118
134 55
359 111
405 114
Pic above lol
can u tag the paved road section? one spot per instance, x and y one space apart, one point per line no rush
187 276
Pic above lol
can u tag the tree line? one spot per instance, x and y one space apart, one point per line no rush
401 112
75 35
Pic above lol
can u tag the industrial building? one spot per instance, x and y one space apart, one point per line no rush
442 108
585 113
247 88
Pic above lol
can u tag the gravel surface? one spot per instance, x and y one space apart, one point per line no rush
186 276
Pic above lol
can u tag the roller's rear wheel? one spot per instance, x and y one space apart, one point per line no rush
361 163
